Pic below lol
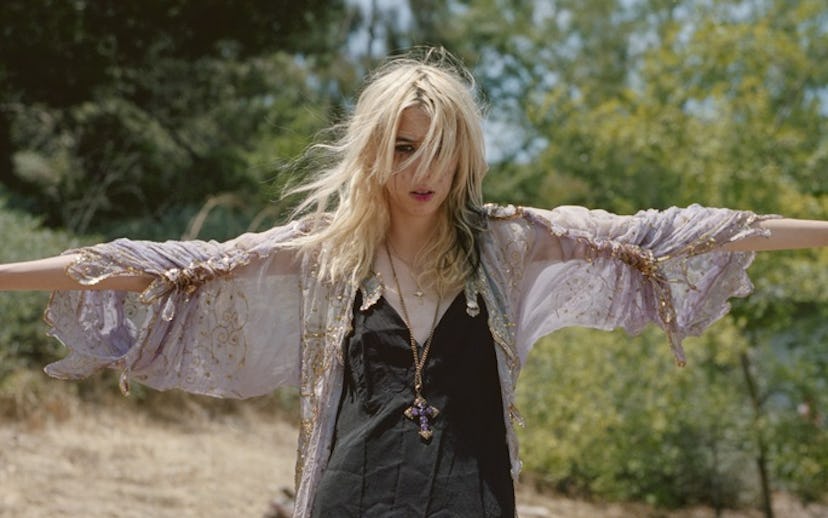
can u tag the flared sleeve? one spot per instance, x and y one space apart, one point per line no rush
595 269
221 319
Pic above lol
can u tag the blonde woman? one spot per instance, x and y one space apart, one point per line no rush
400 304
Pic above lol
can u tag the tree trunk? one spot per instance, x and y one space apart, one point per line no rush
7 176
13 183
762 458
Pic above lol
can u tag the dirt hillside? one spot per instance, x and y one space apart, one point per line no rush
94 461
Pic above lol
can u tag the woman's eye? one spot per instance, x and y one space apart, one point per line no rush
405 149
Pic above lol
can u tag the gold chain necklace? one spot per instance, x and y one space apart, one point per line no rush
420 411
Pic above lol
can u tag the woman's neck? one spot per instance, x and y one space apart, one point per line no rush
407 238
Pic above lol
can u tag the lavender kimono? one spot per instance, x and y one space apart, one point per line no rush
241 318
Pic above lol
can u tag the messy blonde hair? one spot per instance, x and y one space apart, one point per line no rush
347 198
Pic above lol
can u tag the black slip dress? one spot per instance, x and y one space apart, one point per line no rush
379 465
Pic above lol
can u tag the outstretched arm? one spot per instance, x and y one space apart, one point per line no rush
211 318
592 268
50 275
784 234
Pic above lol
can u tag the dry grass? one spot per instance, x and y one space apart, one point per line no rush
82 450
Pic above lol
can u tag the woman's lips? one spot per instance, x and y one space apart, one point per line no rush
422 195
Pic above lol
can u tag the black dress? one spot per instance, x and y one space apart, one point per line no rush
379 465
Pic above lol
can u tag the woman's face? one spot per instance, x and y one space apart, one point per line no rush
409 197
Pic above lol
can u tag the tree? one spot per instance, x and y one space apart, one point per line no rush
147 105
651 103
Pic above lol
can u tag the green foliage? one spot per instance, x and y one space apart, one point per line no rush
161 116
43 43
22 333
106 162
790 362
613 417
652 103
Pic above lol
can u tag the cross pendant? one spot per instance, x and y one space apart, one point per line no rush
422 413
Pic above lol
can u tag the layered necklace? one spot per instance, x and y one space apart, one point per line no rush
420 411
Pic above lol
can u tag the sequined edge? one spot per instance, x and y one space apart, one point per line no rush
503 212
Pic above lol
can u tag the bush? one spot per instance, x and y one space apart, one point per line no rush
23 342
610 416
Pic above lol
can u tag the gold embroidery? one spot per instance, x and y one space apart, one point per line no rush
502 212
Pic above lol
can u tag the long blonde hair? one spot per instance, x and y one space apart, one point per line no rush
347 199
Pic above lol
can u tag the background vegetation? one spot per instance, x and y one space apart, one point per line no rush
168 119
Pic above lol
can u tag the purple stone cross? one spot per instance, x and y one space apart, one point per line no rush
422 412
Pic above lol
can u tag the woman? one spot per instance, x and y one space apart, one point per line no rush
402 306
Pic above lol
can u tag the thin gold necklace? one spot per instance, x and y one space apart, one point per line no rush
393 251
419 411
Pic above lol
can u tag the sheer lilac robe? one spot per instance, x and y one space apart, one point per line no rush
241 318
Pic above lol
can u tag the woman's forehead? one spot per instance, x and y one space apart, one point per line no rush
414 124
